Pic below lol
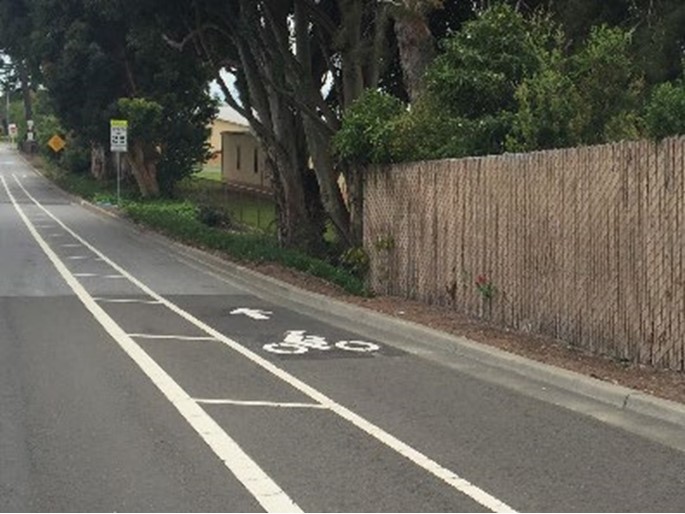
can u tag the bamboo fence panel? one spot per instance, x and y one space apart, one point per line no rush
583 244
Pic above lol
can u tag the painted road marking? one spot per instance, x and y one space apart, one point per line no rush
249 403
271 497
125 300
296 343
113 276
253 313
71 245
76 257
85 275
173 337
56 235
449 477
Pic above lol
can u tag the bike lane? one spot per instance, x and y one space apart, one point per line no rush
378 488
530 454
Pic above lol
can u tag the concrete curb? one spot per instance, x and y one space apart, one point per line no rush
387 327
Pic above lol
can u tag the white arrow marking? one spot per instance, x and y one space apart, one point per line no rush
252 313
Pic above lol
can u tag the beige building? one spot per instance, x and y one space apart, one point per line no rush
243 162
227 120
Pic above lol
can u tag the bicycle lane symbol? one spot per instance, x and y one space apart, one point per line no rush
297 343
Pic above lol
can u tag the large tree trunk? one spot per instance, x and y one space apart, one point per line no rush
354 179
143 161
98 161
417 50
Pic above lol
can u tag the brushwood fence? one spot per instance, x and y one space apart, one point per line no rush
583 244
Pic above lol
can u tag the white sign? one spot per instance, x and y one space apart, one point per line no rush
118 134
252 313
12 129
296 343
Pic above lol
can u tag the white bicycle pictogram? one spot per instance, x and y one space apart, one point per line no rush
296 343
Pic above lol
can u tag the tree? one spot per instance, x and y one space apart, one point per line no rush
15 42
471 86
283 53
665 111
606 77
99 52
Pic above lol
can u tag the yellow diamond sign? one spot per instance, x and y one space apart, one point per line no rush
56 143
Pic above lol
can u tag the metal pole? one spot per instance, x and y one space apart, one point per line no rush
7 119
118 178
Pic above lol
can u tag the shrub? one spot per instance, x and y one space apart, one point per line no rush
366 133
665 112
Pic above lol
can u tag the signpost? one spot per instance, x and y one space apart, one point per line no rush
56 143
118 137
12 129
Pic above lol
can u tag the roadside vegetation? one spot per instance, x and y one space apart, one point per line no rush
200 225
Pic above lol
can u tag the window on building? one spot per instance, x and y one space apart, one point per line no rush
256 160
237 157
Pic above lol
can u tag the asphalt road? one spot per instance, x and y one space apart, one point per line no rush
137 377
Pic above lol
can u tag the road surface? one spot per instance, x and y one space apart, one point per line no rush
136 375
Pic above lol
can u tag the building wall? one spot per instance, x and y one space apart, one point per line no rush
582 244
218 127
243 161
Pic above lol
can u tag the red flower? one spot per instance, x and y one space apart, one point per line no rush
481 280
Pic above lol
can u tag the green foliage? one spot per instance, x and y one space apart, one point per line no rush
665 112
98 53
367 132
482 64
356 261
549 114
606 77
144 118
181 220
186 221
472 86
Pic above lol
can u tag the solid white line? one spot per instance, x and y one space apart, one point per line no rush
173 337
271 497
449 477
125 300
251 403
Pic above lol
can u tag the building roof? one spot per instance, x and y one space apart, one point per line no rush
228 113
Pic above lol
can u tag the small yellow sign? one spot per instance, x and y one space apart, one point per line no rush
56 143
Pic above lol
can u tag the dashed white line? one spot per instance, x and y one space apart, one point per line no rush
449 477
252 403
71 245
113 276
126 300
85 275
271 497
172 337
77 257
